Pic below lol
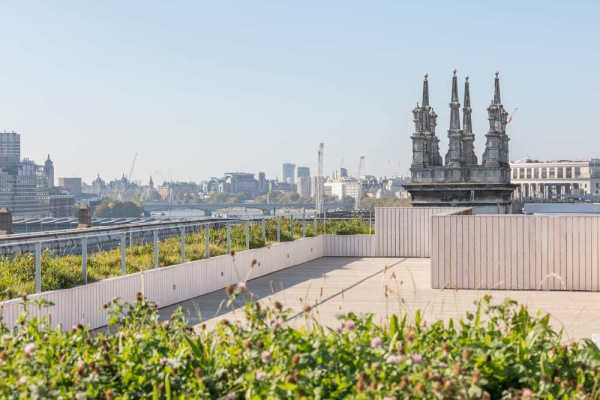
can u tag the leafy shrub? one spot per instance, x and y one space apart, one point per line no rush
497 351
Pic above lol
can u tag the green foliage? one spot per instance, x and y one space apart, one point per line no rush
64 271
498 351
226 198
118 209
280 198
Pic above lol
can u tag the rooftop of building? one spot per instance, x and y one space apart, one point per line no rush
384 286
565 161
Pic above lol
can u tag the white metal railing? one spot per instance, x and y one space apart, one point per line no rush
88 242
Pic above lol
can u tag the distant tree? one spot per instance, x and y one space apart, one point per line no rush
118 209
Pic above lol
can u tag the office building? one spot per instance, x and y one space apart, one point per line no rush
263 185
61 205
49 172
288 173
23 184
10 150
341 173
344 187
302 172
240 182
303 182
556 180
71 185
303 186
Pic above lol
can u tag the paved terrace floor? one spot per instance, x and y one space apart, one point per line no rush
382 286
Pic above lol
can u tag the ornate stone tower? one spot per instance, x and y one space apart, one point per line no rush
461 181
454 156
496 146
468 138
425 143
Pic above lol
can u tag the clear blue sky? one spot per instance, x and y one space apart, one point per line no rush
198 88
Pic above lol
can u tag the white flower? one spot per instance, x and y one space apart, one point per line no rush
22 380
29 349
260 375
416 358
376 342
393 359
266 356
174 363
80 396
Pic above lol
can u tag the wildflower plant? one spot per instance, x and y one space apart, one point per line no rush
497 351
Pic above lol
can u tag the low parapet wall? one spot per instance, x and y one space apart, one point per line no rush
406 231
516 252
166 285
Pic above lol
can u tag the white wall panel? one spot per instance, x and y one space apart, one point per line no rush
406 231
526 252
166 285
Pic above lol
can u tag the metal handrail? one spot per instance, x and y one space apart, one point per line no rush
181 229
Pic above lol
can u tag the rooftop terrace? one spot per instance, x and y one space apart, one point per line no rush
383 286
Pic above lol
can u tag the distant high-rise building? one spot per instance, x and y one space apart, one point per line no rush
303 183
49 172
302 172
344 187
288 173
72 185
342 173
23 184
303 186
10 150
263 185
241 182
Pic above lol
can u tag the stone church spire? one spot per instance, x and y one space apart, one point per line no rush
468 137
425 102
454 157
497 100
496 146
425 143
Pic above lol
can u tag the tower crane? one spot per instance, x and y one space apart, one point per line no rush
132 167
361 166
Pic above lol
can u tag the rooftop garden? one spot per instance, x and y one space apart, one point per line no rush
498 351
64 271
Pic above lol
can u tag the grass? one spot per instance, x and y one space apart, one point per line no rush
64 271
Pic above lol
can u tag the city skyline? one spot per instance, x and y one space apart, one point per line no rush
167 82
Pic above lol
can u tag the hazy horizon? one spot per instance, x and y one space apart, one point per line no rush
201 89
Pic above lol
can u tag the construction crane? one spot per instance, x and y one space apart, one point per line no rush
318 179
361 167
132 167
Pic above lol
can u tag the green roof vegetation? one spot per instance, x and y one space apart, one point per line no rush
498 351
64 271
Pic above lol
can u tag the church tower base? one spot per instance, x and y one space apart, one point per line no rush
484 198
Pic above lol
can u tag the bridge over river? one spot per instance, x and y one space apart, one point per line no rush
267 209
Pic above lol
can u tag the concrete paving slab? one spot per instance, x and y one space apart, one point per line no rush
382 286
